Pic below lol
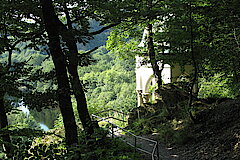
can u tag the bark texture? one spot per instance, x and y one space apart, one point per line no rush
59 61
151 52
77 87
194 63
73 61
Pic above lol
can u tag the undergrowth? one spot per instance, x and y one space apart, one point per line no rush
172 130
52 146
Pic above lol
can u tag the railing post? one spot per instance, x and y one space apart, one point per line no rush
135 143
157 151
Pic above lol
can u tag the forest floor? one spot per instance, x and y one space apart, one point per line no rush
215 137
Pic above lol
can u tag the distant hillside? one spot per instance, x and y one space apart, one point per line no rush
35 57
99 40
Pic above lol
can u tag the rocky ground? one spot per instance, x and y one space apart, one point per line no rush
215 135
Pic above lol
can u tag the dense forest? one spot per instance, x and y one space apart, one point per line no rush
61 61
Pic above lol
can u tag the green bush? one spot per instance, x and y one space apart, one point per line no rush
173 132
216 86
50 146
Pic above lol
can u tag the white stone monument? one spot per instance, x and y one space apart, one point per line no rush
145 77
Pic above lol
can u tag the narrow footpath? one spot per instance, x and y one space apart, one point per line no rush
165 152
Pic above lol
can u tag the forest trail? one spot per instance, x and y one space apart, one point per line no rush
142 142
216 136
165 152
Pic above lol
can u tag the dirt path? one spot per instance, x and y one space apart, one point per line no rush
164 152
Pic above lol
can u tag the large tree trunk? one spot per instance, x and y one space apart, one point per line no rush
81 101
194 63
4 124
76 83
151 52
77 87
59 61
157 71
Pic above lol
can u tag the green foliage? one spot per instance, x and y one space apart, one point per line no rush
124 43
52 146
141 126
46 116
22 139
110 82
168 131
113 150
21 146
49 146
106 148
173 132
215 86
171 128
22 119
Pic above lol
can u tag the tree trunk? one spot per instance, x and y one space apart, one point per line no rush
59 61
77 87
194 63
4 124
151 52
81 101
76 84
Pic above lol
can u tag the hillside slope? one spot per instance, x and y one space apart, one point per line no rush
217 136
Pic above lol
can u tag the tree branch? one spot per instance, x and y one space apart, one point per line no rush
103 29
88 52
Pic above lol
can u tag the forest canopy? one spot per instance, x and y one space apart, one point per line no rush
77 58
